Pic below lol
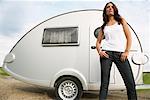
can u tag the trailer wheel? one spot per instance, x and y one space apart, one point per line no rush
68 88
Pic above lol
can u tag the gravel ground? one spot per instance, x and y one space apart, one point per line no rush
11 89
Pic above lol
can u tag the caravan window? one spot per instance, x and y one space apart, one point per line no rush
96 32
60 36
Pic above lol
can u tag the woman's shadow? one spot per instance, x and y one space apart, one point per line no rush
87 95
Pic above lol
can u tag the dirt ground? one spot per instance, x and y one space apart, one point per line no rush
11 89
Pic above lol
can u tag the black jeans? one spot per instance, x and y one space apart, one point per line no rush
125 71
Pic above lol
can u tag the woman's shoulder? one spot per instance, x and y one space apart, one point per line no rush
123 21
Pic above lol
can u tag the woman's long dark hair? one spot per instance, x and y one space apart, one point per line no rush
117 17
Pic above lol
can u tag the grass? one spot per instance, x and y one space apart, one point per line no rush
144 92
146 77
2 72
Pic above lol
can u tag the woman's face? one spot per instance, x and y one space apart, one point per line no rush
109 9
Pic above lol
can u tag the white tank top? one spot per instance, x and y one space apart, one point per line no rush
115 39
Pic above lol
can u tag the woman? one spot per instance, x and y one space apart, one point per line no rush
115 49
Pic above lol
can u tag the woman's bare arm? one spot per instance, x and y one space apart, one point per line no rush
99 40
124 55
127 34
98 44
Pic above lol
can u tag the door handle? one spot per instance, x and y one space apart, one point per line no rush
93 47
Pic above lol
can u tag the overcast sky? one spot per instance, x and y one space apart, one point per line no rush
19 16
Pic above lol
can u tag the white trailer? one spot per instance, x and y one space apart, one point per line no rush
60 53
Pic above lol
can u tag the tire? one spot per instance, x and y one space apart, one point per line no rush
68 88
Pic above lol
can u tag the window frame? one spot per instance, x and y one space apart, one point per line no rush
60 44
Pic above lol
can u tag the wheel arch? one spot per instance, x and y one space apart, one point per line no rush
71 73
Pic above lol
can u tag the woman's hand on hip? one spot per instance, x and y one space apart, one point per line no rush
124 56
103 54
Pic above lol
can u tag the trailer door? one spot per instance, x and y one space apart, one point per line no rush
95 69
